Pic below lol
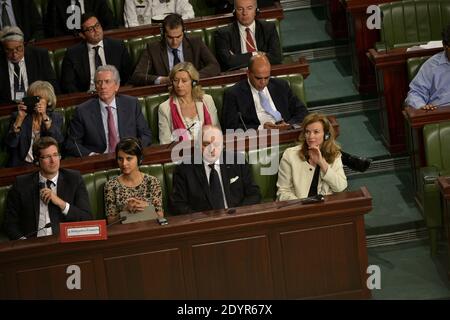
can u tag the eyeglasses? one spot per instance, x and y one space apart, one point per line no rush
14 50
49 156
92 28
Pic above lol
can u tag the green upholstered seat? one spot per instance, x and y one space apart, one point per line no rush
437 154
414 64
57 57
411 22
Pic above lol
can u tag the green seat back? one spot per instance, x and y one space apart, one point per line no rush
437 145
3 194
137 45
410 22
41 6
297 85
4 128
201 8
413 65
262 162
152 104
196 33
57 57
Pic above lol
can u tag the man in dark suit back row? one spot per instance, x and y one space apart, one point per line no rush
39 201
22 14
264 102
21 65
81 61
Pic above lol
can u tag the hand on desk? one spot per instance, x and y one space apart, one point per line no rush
135 205
429 107
279 125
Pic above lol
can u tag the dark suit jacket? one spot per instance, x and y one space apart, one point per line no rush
239 98
228 45
75 71
22 203
154 61
28 19
38 67
19 143
86 126
191 189
56 18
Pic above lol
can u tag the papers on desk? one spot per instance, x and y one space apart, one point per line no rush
429 45
149 213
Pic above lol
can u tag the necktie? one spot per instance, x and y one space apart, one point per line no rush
249 41
98 61
176 60
53 211
112 133
18 86
265 103
5 17
215 188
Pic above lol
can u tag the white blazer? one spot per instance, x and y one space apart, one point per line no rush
295 177
165 118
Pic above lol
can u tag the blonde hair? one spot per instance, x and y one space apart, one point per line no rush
197 91
330 149
43 89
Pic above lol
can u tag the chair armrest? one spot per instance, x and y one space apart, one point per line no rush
429 174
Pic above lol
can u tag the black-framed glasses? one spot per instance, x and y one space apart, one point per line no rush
92 28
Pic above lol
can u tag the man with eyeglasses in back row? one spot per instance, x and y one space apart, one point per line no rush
37 202
21 65
81 61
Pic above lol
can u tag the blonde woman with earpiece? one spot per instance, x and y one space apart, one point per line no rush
314 166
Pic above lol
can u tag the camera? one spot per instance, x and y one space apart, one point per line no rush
30 102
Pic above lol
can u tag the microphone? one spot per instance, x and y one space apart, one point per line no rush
48 225
78 148
146 70
123 218
313 199
242 120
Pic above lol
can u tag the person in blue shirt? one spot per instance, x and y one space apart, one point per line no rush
430 88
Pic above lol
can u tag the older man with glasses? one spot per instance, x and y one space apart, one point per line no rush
81 60
21 65
37 202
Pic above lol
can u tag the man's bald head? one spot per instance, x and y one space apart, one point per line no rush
259 71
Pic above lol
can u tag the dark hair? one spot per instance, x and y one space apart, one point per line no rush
446 35
172 21
130 145
43 143
85 17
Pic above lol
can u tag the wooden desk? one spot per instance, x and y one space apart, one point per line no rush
393 86
444 187
416 119
274 12
276 250
361 40
153 154
72 99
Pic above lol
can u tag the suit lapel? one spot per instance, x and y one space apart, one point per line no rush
106 51
259 35
121 114
251 109
236 39
98 122
163 56
36 198
203 181
85 62
187 50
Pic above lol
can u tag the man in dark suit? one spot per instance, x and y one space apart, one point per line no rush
21 65
215 181
237 42
99 124
39 201
225 6
159 57
81 60
261 102
244 104
57 15
23 14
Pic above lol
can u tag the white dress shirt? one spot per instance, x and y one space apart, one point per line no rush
91 53
263 116
22 76
243 37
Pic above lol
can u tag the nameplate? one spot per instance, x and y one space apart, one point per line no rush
82 231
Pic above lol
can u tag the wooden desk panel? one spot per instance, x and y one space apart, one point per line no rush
73 99
279 250
274 12
336 23
444 187
362 39
393 87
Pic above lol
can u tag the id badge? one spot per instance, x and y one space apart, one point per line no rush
19 95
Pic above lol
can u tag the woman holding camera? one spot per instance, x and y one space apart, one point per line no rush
34 118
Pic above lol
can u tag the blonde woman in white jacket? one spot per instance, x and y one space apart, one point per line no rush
317 154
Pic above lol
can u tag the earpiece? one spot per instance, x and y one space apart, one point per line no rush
137 145
256 12
194 83
173 20
327 136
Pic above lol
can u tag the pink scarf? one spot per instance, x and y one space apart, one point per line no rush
178 123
